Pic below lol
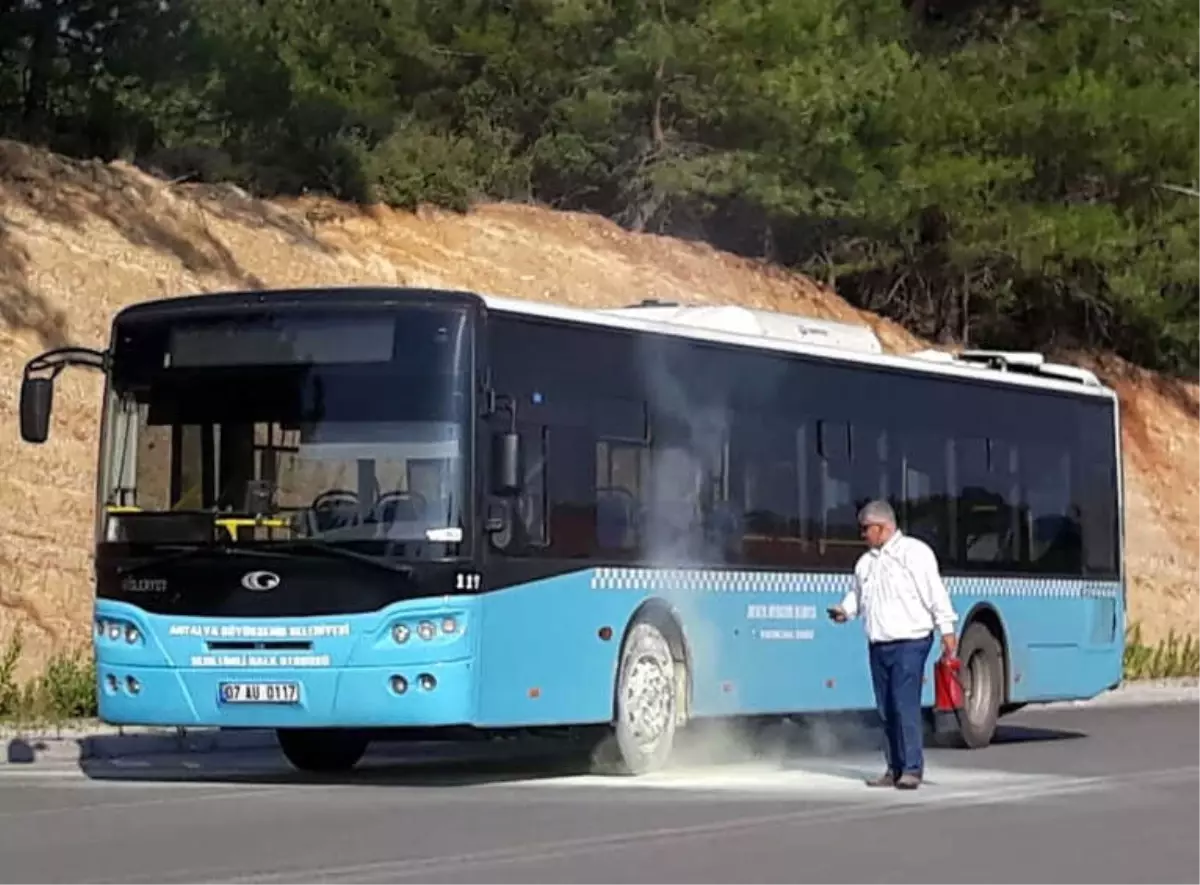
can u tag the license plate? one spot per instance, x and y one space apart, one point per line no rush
260 692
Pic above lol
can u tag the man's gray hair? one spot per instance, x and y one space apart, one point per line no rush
878 511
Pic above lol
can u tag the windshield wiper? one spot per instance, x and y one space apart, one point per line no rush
183 551
316 545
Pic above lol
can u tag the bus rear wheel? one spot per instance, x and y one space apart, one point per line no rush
322 749
647 702
983 687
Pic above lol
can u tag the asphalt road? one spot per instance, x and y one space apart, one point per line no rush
1097 795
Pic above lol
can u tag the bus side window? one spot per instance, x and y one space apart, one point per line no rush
838 515
925 491
1094 486
763 518
571 492
985 515
1052 519
620 497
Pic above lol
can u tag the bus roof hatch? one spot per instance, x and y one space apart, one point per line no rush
737 320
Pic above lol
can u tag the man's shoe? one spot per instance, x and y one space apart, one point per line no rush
887 779
908 782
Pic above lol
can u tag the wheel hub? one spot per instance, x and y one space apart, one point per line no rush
978 688
648 700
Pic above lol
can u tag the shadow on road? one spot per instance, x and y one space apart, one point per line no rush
386 765
1023 734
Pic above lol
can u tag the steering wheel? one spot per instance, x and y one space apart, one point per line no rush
330 506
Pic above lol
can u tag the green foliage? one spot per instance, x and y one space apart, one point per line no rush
66 689
10 691
1171 658
998 171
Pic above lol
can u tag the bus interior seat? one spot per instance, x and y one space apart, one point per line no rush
399 506
615 518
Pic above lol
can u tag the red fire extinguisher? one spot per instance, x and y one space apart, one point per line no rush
947 694
947 685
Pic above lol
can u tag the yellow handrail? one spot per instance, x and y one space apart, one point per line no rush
231 524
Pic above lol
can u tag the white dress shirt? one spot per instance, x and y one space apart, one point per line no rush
898 592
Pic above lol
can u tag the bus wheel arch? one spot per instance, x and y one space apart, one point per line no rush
651 692
983 650
323 750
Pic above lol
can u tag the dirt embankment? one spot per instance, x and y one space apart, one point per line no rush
78 241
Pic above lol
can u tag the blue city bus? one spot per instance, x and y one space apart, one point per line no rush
350 514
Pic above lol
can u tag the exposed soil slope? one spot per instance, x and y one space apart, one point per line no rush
78 241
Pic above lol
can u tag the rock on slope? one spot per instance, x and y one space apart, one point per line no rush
79 240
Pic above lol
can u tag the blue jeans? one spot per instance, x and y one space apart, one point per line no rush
896 670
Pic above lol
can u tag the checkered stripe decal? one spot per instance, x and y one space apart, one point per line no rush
720 581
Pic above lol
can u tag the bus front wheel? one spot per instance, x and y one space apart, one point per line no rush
322 749
647 701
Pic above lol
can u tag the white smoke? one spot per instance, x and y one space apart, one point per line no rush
690 436
689 441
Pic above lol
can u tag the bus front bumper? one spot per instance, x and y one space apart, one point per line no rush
430 694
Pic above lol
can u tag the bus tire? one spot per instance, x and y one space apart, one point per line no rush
647 702
983 687
322 749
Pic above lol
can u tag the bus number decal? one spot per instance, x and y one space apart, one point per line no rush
467 581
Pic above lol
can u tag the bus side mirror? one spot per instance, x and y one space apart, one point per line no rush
37 399
506 464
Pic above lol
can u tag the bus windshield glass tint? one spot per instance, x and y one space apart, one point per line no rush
347 426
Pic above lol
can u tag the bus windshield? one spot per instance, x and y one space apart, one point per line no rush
352 430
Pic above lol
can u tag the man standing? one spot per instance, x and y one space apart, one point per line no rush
899 594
